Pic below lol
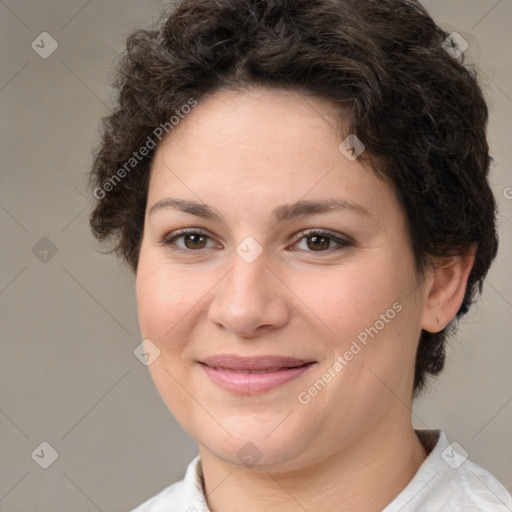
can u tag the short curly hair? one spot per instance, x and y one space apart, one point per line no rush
417 108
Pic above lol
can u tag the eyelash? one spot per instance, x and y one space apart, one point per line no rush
170 238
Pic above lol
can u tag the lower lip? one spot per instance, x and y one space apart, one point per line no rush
253 383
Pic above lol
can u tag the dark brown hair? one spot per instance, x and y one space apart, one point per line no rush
419 111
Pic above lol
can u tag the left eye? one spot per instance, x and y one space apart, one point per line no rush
321 241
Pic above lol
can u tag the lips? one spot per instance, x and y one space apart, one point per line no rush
259 364
253 375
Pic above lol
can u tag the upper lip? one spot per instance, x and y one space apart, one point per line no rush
265 362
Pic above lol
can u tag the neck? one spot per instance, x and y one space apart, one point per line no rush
366 476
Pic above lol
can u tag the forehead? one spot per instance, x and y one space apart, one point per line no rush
258 120
267 145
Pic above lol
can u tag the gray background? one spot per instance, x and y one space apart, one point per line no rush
68 374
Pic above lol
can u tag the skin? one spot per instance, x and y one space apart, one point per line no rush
245 153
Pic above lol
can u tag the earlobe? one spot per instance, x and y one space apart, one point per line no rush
445 290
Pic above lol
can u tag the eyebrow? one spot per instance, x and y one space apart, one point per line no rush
281 213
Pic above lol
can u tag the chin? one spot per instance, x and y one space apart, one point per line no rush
253 448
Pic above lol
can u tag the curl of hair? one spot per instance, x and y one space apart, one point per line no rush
420 113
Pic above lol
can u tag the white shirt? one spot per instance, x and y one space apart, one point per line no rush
446 481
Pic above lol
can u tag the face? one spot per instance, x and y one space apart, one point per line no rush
288 313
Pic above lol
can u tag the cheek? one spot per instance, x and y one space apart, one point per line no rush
347 300
165 292
164 299
374 318
371 318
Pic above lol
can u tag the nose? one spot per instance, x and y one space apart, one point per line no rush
250 300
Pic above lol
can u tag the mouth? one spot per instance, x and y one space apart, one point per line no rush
266 370
253 375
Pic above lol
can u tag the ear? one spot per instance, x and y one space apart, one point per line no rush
445 290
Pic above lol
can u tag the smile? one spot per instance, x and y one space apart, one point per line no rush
253 376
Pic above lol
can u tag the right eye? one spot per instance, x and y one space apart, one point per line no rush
191 239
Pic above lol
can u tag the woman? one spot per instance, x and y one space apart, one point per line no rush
301 189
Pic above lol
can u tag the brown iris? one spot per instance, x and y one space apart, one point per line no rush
316 242
194 241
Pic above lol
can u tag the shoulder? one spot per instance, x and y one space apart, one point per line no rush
169 495
447 480
468 488
184 496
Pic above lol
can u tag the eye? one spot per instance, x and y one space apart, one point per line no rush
321 241
192 239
